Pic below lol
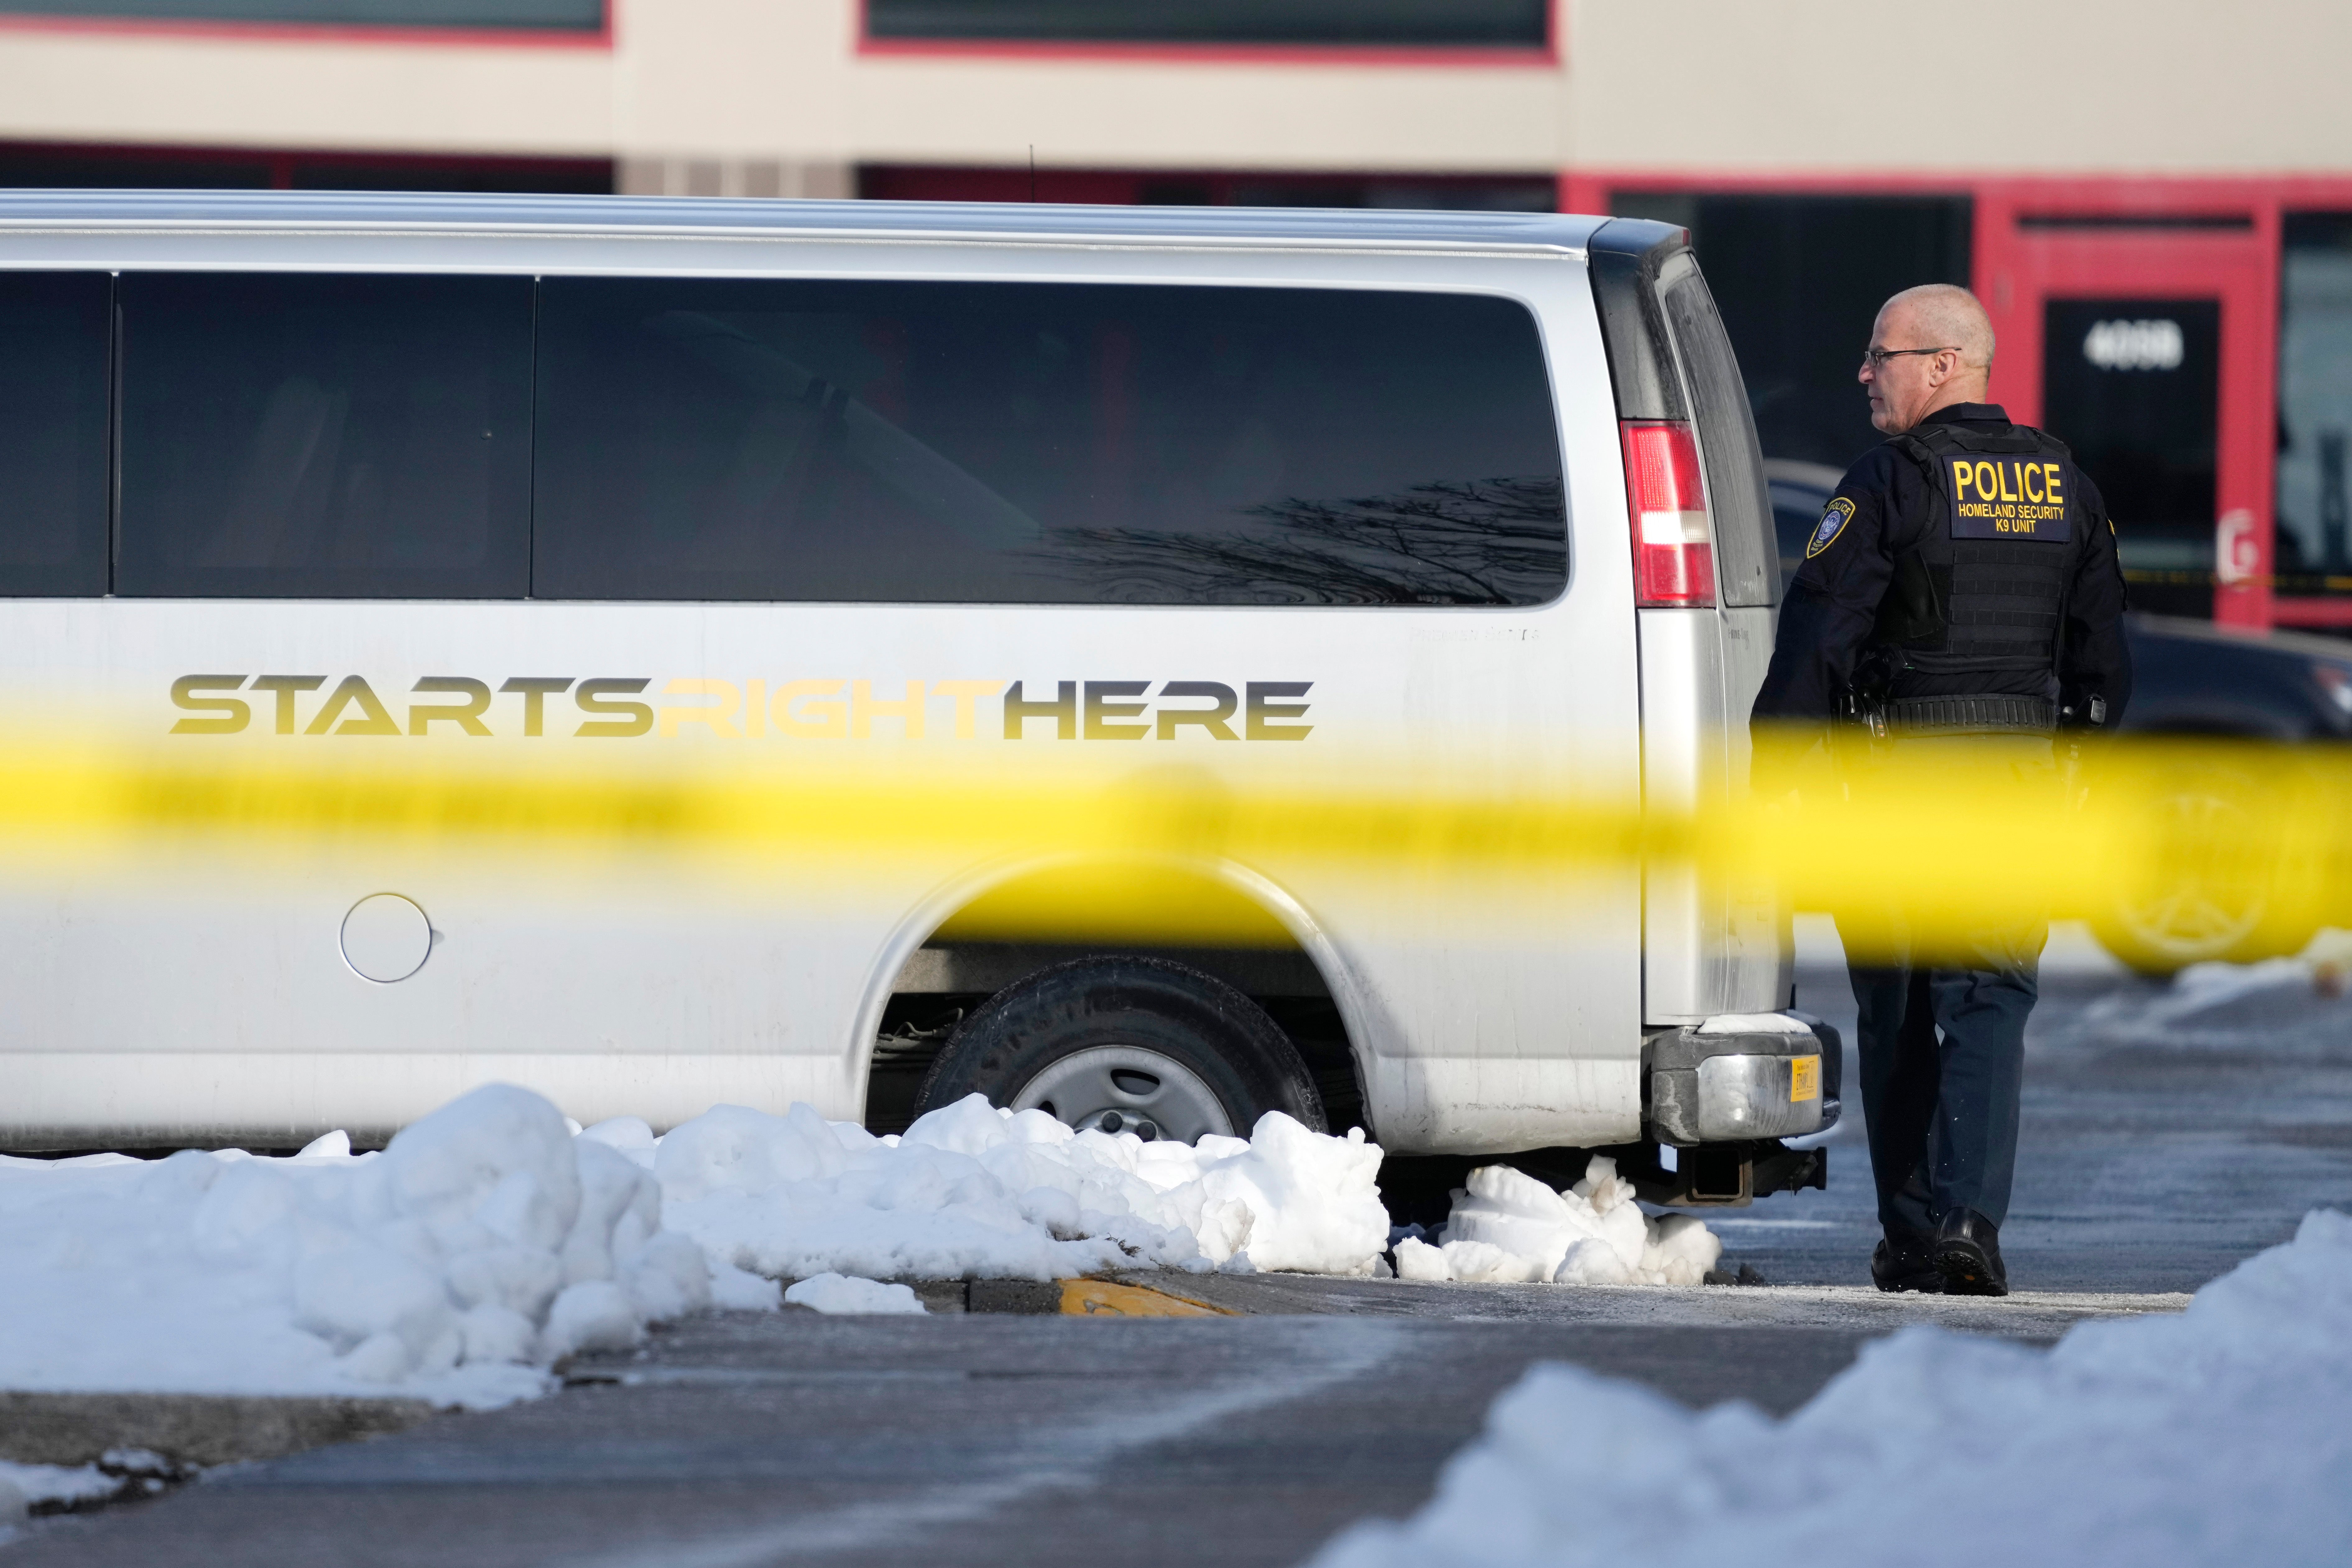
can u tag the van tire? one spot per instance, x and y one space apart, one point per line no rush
1166 1010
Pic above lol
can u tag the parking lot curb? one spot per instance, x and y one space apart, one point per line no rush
190 1430
1124 1297
1111 1298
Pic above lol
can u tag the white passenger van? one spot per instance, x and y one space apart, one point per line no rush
315 471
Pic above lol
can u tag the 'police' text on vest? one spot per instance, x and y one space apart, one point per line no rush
1999 497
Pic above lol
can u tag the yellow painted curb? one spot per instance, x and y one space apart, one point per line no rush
1102 1299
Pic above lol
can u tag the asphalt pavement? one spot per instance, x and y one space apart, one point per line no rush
2159 1143
2163 1142
756 1439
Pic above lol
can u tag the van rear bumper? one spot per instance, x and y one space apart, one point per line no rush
1772 1076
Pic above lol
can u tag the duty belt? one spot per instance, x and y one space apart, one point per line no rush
1913 716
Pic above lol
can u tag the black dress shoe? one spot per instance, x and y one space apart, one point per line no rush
1905 1261
1967 1254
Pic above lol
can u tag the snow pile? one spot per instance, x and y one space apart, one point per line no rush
973 1192
1507 1228
2216 1436
1754 1023
484 1243
847 1294
24 1487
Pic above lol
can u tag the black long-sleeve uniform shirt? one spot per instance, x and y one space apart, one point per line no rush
1832 606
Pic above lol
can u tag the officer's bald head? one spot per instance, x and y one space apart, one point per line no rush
1931 348
1946 314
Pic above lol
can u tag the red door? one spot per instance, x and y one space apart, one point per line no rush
2145 340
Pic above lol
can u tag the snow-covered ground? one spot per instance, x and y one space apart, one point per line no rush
486 1242
2218 1435
26 1487
971 1192
848 1294
492 1238
1509 1228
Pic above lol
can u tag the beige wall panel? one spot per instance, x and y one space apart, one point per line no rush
1140 114
1796 86
737 79
119 88
2152 86
734 79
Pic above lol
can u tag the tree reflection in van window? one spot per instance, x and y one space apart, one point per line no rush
1497 541
1008 443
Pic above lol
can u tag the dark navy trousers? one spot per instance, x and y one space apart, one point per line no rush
1943 1048
1943 1060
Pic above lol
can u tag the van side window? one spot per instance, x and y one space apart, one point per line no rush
321 436
1009 443
53 413
1747 551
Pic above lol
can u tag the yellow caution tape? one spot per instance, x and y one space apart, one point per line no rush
1934 846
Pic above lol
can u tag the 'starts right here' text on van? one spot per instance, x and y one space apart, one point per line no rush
1220 497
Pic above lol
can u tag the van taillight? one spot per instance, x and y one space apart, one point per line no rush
1674 563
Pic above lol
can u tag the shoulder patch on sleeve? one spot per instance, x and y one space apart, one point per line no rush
1833 521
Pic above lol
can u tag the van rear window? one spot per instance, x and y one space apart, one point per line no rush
1041 443
293 436
53 396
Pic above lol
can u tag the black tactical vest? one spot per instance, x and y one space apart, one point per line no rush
1984 588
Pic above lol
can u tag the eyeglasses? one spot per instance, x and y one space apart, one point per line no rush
1876 358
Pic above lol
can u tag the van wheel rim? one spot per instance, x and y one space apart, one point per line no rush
2203 902
1127 1089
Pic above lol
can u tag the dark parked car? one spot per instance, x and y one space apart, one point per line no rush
2189 678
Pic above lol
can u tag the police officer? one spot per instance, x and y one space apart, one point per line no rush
1962 589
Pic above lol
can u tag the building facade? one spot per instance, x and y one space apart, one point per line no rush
2155 201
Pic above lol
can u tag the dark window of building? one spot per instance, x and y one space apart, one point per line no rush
1041 443
1799 280
554 15
1427 23
53 413
35 168
2315 498
2133 386
290 436
543 176
1127 187
32 167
